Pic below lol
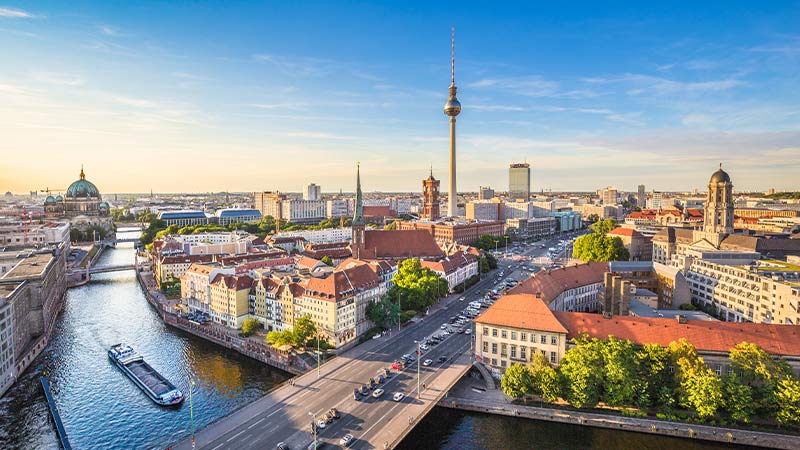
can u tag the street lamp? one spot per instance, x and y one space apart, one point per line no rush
191 409
399 310
419 356
314 427
318 355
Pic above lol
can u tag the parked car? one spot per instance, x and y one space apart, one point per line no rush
356 394
334 413
398 396
320 423
427 362
378 393
442 358
282 446
346 440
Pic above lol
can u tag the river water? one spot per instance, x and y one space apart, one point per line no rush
103 409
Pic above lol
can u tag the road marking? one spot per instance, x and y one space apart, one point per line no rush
215 448
235 436
259 421
273 413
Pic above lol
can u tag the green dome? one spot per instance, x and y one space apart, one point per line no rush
59 198
82 188
50 199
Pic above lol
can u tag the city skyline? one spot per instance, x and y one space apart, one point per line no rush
587 101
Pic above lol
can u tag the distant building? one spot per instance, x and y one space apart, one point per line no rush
430 198
184 218
609 195
456 268
269 203
485 193
303 211
567 221
655 200
82 198
641 197
229 216
339 208
312 192
325 235
533 228
519 181
484 210
639 246
461 232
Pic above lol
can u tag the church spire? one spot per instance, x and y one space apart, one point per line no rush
83 175
358 217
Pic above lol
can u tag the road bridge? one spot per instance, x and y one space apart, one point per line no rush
103 269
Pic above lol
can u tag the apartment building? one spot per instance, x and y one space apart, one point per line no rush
229 299
456 268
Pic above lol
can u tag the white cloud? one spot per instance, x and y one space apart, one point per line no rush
59 78
290 106
532 86
15 13
641 84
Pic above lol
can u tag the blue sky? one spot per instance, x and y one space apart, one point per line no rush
201 96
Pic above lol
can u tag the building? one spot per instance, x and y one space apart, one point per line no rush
456 268
517 210
639 246
484 210
229 299
601 211
82 198
535 228
229 216
764 213
485 193
452 108
184 218
463 232
27 233
571 288
430 198
303 211
568 221
655 200
519 182
641 197
326 235
608 195
517 326
269 203
32 287
339 208
312 192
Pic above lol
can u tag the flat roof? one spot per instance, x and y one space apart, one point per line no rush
639 309
32 266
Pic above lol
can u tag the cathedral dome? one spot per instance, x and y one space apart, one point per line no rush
59 198
82 188
720 176
50 199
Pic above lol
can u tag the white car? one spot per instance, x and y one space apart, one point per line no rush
423 347
398 396
346 439
320 424
461 299
468 331
444 326
377 393
427 362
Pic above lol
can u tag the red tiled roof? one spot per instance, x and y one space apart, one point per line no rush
400 244
342 283
550 284
378 211
233 282
630 232
305 262
704 335
451 263
521 311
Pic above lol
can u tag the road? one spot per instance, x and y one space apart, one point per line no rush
285 414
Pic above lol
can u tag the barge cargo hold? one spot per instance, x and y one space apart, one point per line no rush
158 388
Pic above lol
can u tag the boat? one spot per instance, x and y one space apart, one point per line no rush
158 388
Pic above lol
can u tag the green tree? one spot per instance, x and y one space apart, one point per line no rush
304 328
582 373
654 364
516 381
787 396
621 385
384 313
391 226
250 326
759 370
491 260
703 389
279 338
417 287
327 260
598 246
738 399
486 242
604 226
544 378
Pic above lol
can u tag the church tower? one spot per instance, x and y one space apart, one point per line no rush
357 243
718 217
430 198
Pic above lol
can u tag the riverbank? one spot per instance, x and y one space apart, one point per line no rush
252 347
468 395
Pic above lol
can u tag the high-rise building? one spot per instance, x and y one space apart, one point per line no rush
452 108
269 203
655 200
430 198
641 197
485 193
313 192
519 181
608 195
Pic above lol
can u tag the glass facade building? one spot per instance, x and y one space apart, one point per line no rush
519 181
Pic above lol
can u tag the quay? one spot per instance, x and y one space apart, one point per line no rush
62 433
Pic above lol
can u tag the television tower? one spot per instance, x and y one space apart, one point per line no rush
452 108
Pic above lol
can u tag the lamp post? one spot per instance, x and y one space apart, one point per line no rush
318 356
399 310
506 238
314 427
191 409
419 356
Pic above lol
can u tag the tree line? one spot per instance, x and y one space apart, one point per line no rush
598 246
670 381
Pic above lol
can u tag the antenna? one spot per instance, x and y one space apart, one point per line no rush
453 56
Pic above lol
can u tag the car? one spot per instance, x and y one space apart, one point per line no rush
378 392
327 418
321 423
397 366
282 446
316 445
381 379
461 299
423 347
364 389
442 359
346 439
333 413
446 333
398 396
427 362
356 395
406 357
411 359
467 331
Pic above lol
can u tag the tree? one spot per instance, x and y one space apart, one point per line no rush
581 371
759 370
654 363
591 218
279 338
738 399
599 247
327 260
483 264
787 396
383 313
250 326
304 328
621 386
703 389
416 286
391 226
486 242
544 378
604 226
491 260
516 381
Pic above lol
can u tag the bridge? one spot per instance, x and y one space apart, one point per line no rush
103 269
112 242
285 414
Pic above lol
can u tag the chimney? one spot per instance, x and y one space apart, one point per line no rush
606 314
681 318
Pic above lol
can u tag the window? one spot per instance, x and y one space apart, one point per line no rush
485 347
523 337
533 338
494 361
503 350
494 332
553 357
513 351
485 331
513 335
522 353
494 348
503 334
543 339
554 340
503 363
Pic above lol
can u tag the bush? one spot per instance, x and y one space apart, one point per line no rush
407 315
250 326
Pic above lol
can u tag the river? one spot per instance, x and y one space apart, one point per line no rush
102 409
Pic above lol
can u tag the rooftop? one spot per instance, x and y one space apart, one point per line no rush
521 311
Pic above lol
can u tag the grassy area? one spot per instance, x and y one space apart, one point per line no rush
89 256
775 266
